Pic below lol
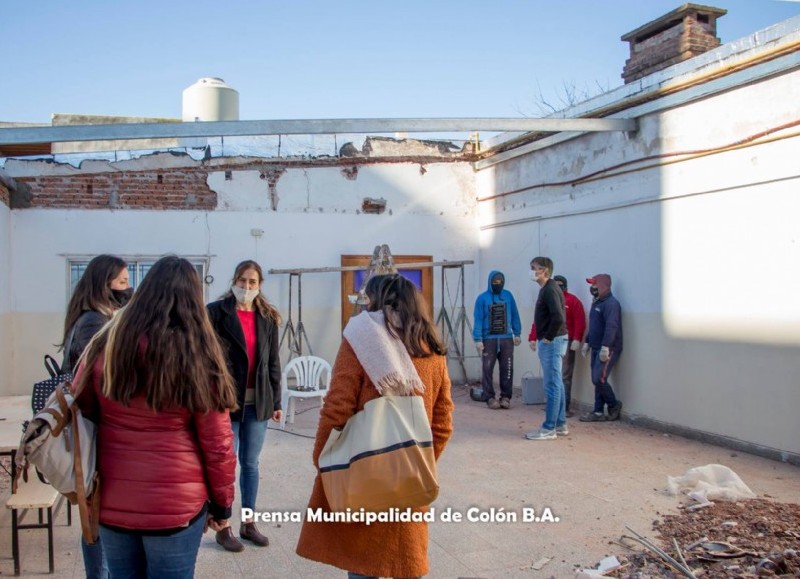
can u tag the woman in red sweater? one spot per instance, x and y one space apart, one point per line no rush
247 327
156 383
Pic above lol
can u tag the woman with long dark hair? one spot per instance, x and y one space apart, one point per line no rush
156 383
100 292
247 326
413 362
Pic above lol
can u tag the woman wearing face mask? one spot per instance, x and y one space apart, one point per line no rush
247 326
101 291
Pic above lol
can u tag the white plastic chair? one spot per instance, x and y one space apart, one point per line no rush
310 376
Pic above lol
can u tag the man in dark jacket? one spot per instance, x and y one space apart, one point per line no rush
549 317
605 341
576 328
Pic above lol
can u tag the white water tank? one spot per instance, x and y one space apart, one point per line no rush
210 99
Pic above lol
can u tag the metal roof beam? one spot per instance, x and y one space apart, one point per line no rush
125 131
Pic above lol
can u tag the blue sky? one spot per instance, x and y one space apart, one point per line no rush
336 59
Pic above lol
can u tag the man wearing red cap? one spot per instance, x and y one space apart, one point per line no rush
605 341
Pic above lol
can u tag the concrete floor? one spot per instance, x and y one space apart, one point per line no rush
597 480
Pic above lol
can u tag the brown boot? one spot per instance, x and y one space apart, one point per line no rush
250 532
228 541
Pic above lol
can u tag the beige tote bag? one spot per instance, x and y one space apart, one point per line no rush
382 459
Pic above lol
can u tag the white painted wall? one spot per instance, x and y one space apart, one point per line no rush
703 253
316 222
6 328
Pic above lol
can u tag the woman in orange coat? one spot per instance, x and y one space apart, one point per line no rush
380 549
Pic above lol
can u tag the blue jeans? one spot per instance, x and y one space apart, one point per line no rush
248 439
502 350
551 357
603 393
94 560
133 555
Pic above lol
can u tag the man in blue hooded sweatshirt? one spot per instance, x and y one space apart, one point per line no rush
496 331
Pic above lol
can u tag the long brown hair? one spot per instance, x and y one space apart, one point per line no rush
265 308
162 345
93 291
405 314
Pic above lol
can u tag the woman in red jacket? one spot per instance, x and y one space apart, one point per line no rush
156 383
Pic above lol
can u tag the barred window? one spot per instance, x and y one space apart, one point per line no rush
137 269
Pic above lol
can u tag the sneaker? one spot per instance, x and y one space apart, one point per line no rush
562 430
613 413
493 404
593 417
505 403
541 434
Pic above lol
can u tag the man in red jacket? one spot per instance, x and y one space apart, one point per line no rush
576 328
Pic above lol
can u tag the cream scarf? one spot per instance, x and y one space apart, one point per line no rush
383 357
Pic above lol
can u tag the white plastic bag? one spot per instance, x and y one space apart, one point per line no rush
708 483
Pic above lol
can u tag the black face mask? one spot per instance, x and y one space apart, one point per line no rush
497 284
594 291
122 297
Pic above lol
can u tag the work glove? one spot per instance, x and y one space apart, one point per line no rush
479 347
604 354
574 345
584 349
517 340
532 344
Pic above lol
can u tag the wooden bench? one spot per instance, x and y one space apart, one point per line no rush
34 494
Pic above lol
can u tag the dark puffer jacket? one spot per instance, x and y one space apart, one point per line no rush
86 326
158 469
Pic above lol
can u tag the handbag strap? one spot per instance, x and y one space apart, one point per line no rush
51 366
65 365
89 513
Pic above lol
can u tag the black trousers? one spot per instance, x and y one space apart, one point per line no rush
495 349
568 366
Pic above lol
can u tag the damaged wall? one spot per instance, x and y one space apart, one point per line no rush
310 216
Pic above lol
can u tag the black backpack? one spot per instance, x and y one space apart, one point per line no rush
42 390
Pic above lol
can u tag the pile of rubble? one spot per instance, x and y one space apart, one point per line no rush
748 538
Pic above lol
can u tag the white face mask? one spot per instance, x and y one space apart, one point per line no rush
532 274
244 296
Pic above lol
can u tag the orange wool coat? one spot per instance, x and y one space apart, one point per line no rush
380 549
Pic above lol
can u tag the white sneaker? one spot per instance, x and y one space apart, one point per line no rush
541 434
562 430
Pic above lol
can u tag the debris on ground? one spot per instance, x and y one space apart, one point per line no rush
745 539
537 566
602 570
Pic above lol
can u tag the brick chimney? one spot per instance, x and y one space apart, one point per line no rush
677 36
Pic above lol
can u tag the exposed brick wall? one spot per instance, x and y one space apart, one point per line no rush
678 36
4 194
167 189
